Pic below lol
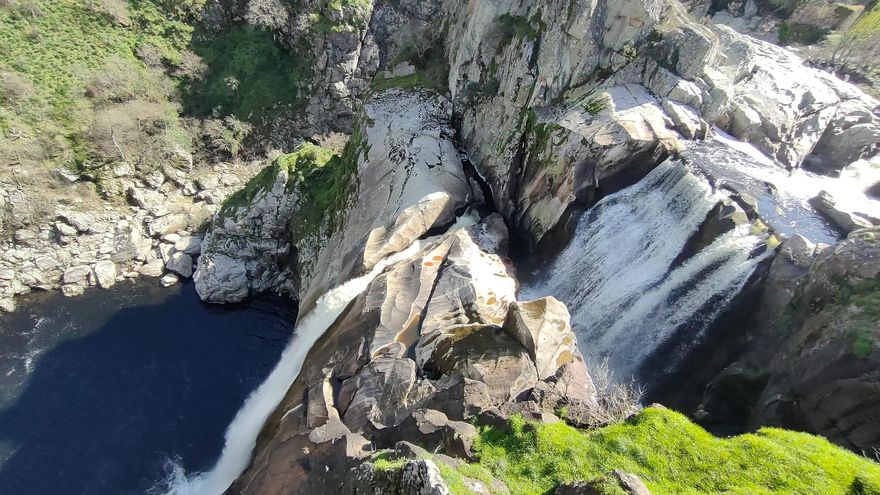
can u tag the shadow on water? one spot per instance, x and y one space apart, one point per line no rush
138 383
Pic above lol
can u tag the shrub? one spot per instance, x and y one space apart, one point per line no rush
226 135
517 27
245 73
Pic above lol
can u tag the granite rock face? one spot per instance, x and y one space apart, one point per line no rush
432 342
409 181
428 346
246 249
553 105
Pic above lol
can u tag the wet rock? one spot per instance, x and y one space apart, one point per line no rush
180 263
105 273
845 221
831 122
799 250
168 280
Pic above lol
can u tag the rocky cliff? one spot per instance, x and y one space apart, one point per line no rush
538 110
436 339
811 359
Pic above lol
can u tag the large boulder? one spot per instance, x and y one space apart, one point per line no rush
221 279
844 221
246 248
542 327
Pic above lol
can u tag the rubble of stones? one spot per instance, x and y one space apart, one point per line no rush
156 231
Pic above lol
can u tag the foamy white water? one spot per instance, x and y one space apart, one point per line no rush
800 185
241 435
616 277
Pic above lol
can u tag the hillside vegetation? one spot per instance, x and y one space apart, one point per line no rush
88 83
671 454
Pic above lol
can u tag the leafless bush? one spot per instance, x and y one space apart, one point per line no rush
150 55
617 400
191 66
121 79
15 88
137 131
116 10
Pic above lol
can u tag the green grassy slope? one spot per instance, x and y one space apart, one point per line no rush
672 455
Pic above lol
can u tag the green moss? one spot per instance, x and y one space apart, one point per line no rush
595 104
673 456
477 92
385 461
859 306
347 16
260 183
326 185
305 167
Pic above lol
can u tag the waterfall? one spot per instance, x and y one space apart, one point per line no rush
241 435
616 276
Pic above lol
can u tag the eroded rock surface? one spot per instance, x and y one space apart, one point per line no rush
432 342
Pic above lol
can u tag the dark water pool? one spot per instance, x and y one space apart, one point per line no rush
98 392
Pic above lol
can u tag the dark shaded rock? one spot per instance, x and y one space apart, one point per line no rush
729 396
487 354
723 217
609 484
873 191
410 450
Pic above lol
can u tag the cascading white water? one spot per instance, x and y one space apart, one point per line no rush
616 277
797 186
241 435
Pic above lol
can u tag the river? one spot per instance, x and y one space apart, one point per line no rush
100 394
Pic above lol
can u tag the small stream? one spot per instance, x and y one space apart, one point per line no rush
100 394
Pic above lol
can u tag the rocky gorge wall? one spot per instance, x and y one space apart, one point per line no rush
435 339
553 105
